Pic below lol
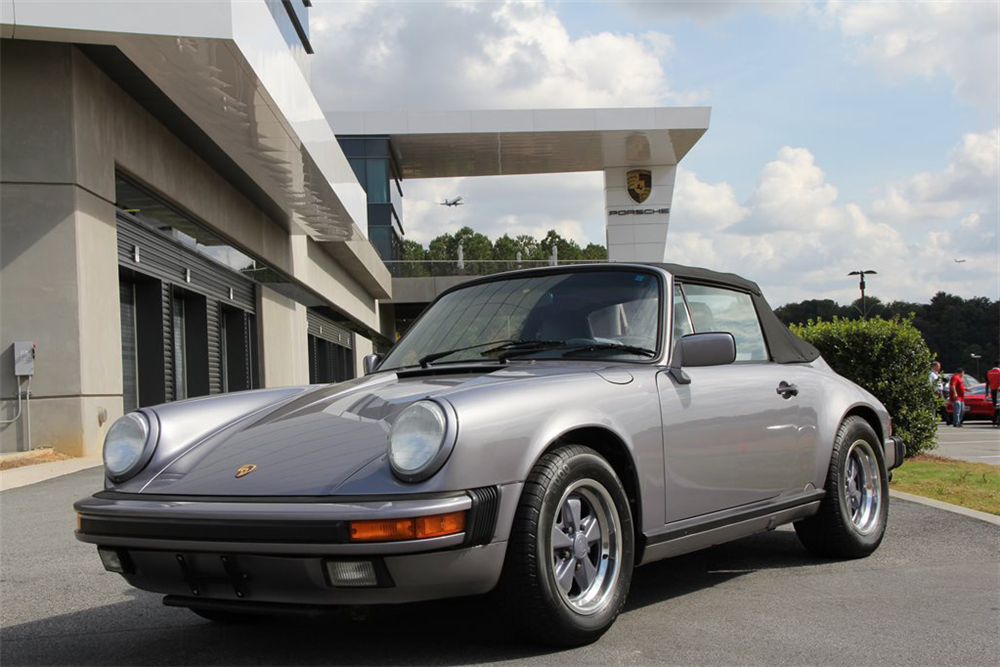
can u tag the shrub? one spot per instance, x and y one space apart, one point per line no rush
890 359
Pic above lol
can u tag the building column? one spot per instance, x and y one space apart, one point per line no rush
637 232
284 339
59 276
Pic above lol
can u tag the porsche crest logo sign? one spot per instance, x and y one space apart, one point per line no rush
639 183
243 471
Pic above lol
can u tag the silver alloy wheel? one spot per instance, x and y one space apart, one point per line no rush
586 546
863 487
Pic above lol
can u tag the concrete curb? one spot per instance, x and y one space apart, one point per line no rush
18 477
947 507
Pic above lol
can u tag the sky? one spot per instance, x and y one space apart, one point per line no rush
844 135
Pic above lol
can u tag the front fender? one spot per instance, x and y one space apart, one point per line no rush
504 429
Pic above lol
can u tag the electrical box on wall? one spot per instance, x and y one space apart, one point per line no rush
24 357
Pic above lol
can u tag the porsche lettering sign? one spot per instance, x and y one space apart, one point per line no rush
662 210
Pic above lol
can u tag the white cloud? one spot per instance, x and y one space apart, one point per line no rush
704 206
705 11
796 239
957 39
792 194
461 55
969 179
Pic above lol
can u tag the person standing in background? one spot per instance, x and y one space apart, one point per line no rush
956 390
993 386
935 376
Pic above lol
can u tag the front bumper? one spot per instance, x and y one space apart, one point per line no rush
895 451
275 551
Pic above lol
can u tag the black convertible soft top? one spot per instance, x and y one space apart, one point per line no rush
786 347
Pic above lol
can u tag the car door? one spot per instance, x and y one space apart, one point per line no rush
730 437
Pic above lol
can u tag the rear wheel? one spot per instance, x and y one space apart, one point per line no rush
852 516
570 555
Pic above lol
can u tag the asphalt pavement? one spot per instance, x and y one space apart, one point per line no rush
930 595
976 441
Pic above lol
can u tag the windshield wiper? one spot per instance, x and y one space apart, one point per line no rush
620 347
572 348
503 343
523 347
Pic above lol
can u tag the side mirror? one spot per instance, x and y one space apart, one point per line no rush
370 362
701 349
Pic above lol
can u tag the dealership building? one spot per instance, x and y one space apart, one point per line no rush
180 218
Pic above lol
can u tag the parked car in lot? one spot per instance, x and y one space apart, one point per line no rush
978 404
538 434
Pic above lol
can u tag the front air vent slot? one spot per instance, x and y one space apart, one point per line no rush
482 520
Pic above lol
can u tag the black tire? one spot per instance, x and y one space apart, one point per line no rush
227 617
529 591
833 532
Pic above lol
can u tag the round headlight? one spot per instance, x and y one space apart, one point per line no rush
125 443
417 441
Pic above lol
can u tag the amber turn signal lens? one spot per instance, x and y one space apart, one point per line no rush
441 524
392 530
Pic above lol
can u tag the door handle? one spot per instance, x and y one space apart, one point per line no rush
787 390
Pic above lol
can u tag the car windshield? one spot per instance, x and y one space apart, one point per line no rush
595 314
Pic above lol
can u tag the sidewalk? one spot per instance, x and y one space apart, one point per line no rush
18 477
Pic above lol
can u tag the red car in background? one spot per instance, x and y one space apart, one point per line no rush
978 404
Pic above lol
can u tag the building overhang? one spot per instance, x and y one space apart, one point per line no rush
225 65
442 144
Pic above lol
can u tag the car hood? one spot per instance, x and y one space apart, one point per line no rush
312 443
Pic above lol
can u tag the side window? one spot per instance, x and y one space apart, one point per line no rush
717 309
682 323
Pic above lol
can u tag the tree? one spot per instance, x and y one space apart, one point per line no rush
415 257
442 248
475 246
413 251
530 249
954 328
811 309
594 251
505 249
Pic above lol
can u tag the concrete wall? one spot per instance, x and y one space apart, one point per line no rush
284 353
66 126
362 348
423 290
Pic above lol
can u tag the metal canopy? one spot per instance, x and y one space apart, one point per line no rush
432 144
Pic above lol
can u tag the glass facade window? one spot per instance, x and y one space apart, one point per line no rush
377 171
130 356
180 349
371 160
292 17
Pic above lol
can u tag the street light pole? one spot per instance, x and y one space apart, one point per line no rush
977 357
861 274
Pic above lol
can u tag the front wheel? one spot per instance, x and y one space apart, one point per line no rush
852 516
570 556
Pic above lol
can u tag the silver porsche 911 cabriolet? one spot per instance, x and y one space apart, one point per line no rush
537 434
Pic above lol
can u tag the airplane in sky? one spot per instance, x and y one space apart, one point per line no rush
457 201
960 261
